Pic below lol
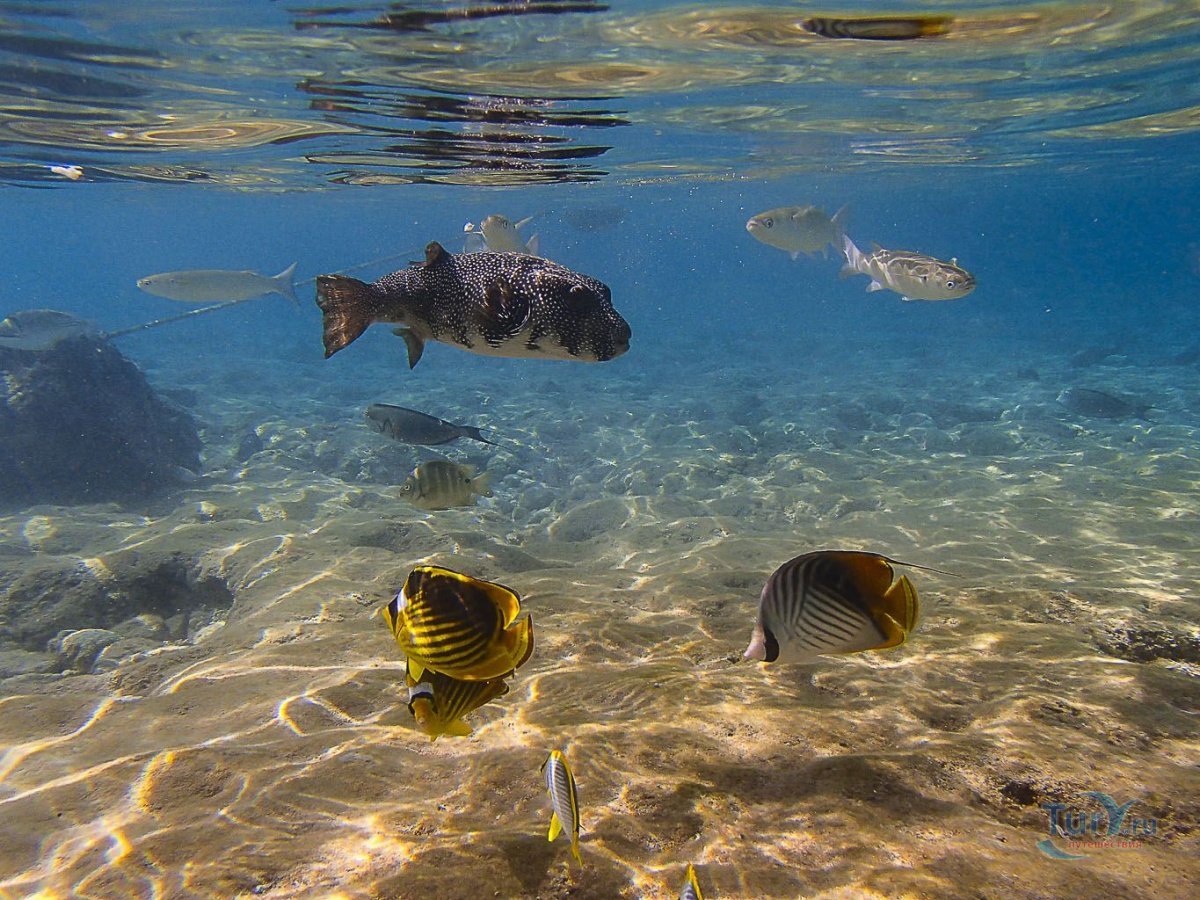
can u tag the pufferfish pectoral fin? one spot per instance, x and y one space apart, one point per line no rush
412 343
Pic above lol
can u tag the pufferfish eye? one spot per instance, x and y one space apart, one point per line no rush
951 285
769 222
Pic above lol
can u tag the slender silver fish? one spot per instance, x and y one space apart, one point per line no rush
564 800
415 427
216 285
498 234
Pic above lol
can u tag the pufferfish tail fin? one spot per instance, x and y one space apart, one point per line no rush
347 307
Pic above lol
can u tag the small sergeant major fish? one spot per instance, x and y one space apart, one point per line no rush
799 229
878 28
439 703
493 304
441 484
413 427
215 285
499 235
564 800
913 276
832 601
459 626
691 887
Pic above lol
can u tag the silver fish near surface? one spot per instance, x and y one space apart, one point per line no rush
441 484
498 234
413 427
799 229
564 800
217 285
494 304
913 276
830 602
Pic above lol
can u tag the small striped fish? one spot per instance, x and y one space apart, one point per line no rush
832 601
438 702
459 626
691 887
564 800
880 28
441 484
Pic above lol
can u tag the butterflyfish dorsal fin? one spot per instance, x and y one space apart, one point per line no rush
518 641
505 599
869 572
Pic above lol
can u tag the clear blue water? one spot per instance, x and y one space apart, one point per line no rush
765 404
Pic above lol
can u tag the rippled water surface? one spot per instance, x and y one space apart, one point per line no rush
197 696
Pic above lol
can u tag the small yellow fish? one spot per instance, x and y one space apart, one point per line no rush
441 484
564 800
691 887
832 601
799 229
439 703
458 626
498 234
216 285
913 276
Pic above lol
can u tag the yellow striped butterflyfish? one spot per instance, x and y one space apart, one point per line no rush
691 887
439 703
833 601
564 800
459 626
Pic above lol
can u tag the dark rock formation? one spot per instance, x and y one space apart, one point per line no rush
80 424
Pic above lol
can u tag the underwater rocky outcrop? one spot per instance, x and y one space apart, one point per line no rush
79 423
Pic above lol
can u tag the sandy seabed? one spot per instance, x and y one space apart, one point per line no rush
268 751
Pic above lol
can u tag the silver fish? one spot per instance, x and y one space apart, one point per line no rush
40 329
216 285
832 601
564 800
415 427
799 229
913 276
498 234
441 484
1099 405
494 304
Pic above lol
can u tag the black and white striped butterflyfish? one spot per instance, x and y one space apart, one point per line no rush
493 304
459 626
833 601
564 800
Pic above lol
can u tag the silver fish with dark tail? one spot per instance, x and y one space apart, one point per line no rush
414 427
493 304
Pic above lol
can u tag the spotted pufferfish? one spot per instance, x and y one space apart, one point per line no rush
493 304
